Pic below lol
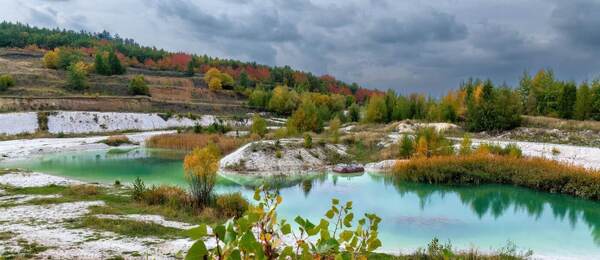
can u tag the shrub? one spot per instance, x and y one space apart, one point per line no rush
50 59
334 130
77 76
139 188
232 205
117 140
138 86
466 145
278 154
172 196
6 81
308 143
333 238
201 167
259 125
510 149
536 173
407 146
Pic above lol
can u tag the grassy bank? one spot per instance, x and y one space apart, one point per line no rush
535 173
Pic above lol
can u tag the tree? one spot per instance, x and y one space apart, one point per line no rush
259 125
595 100
258 98
116 68
308 143
334 130
305 118
244 80
191 67
201 167
101 65
138 86
216 79
77 76
407 147
582 102
283 101
215 84
567 99
466 145
354 113
376 110
524 90
6 81
422 149
50 59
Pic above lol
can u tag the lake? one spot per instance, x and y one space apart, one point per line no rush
485 216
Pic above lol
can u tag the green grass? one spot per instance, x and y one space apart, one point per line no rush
28 250
128 228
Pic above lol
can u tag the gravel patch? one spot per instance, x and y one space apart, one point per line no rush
156 219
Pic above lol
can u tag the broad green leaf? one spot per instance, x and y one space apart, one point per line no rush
335 201
197 251
197 232
257 194
286 229
219 230
346 235
235 255
329 214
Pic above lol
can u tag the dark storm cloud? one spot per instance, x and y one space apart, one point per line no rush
579 21
428 46
435 26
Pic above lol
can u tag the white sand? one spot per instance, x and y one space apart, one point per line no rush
27 147
34 179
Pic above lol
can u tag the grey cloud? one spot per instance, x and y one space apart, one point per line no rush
428 45
435 26
578 21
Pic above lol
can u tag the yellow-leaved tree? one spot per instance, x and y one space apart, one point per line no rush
51 59
201 167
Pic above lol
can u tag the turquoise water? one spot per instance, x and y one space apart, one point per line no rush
485 216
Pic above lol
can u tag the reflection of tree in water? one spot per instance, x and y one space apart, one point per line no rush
495 200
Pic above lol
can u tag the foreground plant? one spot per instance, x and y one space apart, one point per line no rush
259 234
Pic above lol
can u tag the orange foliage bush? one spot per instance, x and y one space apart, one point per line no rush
189 141
530 172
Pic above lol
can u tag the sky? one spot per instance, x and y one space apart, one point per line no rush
426 46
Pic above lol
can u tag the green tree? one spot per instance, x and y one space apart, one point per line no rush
407 147
258 98
283 101
191 66
466 145
116 68
354 113
334 130
583 102
244 80
595 100
259 125
138 86
306 118
77 76
524 90
376 110
101 65
567 99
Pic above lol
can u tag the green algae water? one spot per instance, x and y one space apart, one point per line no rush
484 217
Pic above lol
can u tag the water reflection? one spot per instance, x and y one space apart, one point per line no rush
497 200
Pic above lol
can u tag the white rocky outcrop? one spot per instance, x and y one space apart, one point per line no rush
22 148
290 157
96 122
408 126
383 166
34 179
18 123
